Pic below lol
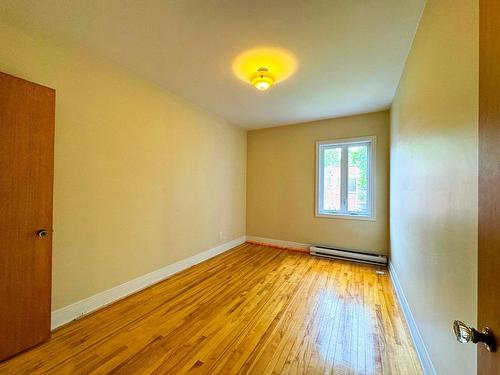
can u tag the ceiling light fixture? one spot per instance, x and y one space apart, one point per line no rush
262 79
264 67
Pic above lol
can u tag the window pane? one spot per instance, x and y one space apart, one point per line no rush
357 172
331 179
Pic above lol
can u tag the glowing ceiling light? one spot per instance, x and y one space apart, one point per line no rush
264 67
262 79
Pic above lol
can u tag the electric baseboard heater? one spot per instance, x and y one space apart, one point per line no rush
351 255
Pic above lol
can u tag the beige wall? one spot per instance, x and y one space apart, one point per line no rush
281 184
142 177
434 179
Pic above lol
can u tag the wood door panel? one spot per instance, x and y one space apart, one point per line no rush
489 182
27 113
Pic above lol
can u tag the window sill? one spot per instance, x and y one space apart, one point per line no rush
346 217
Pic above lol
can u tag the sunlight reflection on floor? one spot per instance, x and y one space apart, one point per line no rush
346 340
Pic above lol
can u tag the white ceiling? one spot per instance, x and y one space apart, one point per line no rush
350 52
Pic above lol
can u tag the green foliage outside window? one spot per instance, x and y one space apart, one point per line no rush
332 157
358 157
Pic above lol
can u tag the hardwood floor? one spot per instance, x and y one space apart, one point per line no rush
253 310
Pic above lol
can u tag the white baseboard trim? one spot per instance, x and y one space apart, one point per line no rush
99 300
418 342
279 243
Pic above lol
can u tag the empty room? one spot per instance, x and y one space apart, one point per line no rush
250 187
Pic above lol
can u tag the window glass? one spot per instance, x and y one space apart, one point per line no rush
357 172
331 179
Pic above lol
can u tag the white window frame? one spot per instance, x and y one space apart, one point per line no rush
372 157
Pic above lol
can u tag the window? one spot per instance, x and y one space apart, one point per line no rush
344 178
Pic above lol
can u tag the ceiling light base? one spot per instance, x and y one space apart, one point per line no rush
262 79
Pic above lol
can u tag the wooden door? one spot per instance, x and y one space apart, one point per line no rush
489 182
26 175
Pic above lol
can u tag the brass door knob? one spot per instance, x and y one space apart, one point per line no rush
464 334
42 233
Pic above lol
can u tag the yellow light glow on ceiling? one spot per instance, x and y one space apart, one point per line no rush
280 64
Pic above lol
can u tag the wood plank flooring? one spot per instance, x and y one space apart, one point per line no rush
251 310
